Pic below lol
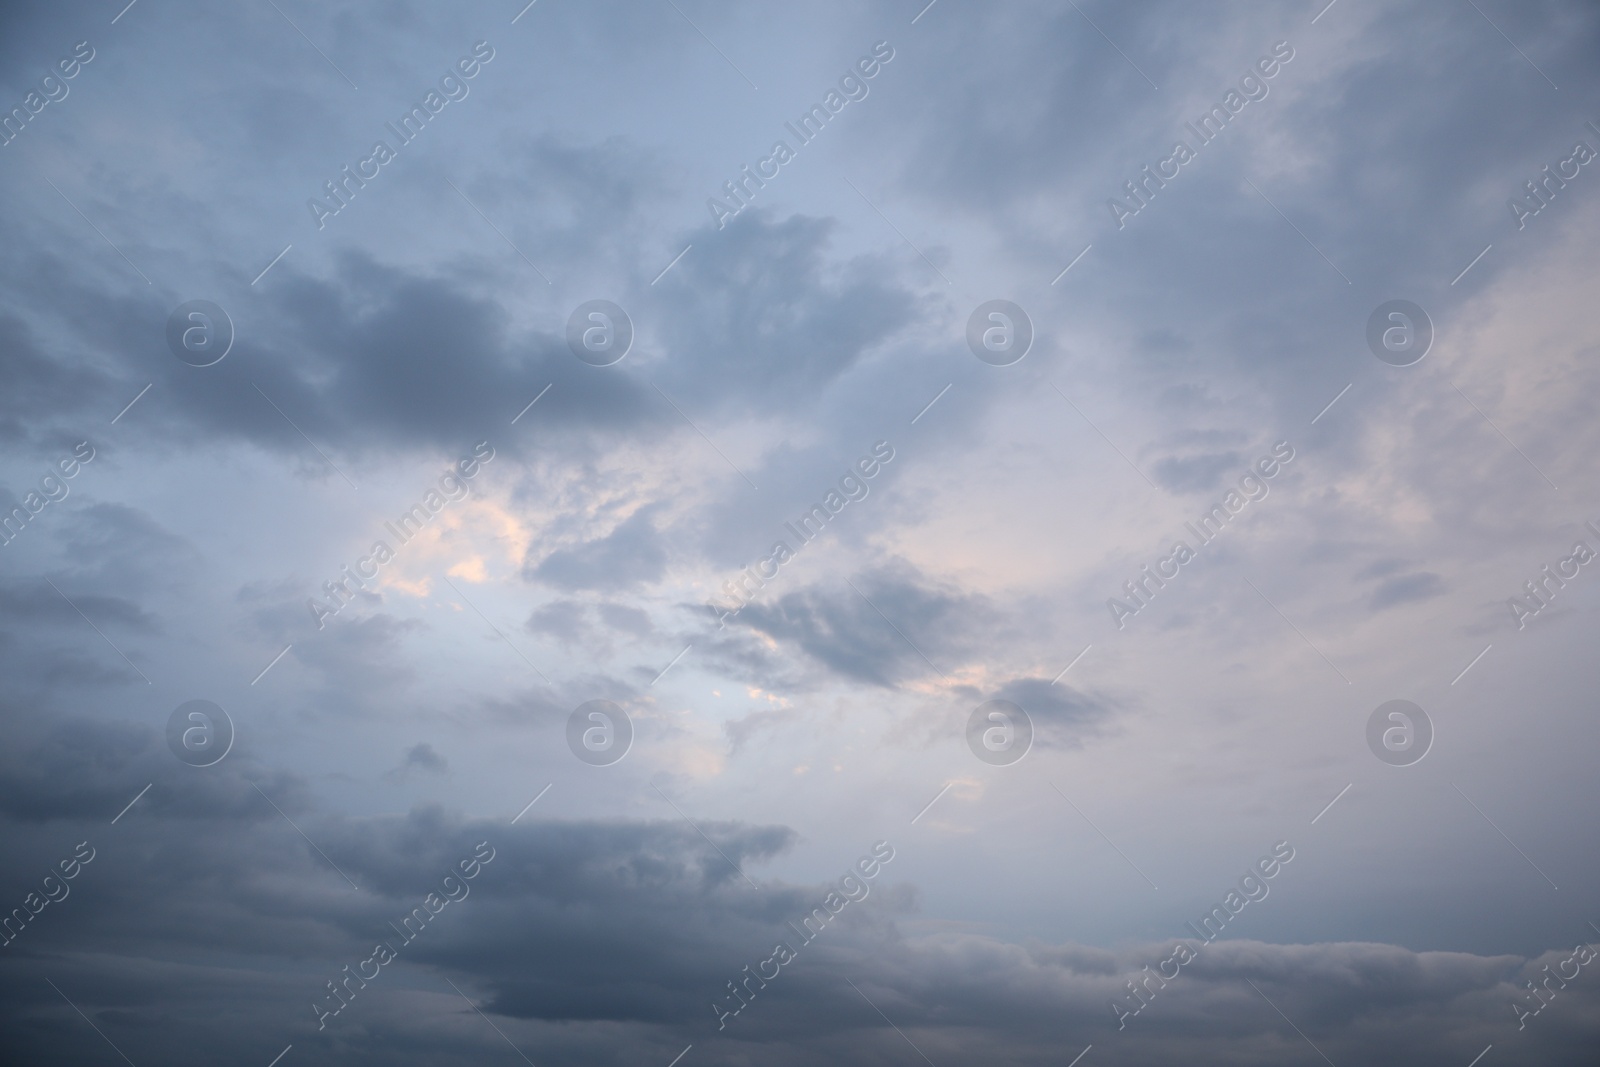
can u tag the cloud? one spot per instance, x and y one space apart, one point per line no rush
36 602
561 619
627 619
844 631
1407 589
1061 715
1195 473
420 756
605 939
775 315
630 554
38 384
1226 314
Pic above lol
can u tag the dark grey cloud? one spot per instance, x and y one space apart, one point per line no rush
71 634
1406 589
878 632
601 941
37 602
423 757
38 382
561 619
426 361
1061 715
383 353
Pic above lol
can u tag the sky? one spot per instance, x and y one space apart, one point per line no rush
698 534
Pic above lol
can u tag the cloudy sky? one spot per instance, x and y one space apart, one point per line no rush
835 393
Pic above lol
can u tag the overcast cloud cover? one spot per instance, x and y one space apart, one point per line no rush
799 526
